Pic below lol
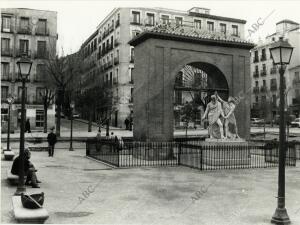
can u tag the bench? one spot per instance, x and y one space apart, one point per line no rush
9 155
23 215
13 179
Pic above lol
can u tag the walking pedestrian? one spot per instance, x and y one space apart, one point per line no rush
27 126
127 123
51 138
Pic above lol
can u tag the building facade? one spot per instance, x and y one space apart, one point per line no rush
111 58
266 79
33 33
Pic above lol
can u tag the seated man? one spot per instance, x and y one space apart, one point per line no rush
29 169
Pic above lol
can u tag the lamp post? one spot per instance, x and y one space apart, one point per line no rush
10 101
71 134
281 53
24 66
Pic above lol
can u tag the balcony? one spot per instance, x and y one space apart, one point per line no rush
111 29
296 82
9 29
41 31
117 42
263 57
273 87
255 59
6 52
109 64
273 70
255 74
116 60
263 89
115 80
24 30
6 77
256 90
296 101
41 55
131 59
117 23
263 73
22 52
134 22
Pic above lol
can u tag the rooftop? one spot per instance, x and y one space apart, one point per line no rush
191 34
287 21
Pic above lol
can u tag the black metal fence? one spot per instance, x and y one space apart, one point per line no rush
193 153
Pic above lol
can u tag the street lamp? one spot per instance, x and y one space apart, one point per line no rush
24 66
281 53
10 101
71 134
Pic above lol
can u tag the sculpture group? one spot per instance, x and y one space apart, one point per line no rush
218 112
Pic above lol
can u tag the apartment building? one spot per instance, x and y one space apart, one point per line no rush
111 58
265 76
34 33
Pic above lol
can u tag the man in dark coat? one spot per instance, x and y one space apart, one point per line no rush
51 141
27 126
29 169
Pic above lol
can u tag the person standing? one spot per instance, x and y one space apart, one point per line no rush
51 138
127 123
27 126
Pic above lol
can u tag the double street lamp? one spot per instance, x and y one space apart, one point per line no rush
281 53
10 101
71 134
24 66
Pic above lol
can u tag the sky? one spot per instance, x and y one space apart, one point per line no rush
77 20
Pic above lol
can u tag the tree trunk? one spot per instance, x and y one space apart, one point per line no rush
90 122
58 120
45 118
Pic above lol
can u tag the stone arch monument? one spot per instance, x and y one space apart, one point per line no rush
161 53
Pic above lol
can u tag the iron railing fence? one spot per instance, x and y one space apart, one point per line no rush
191 153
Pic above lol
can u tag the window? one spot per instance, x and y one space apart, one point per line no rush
264 83
112 41
20 93
178 21
150 19
41 48
256 99
39 94
256 56
223 28
39 119
256 83
5 43
4 70
111 78
263 99
24 25
4 92
131 54
165 19
42 27
6 24
40 70
197 24
178 97
264 67
136 17
131 95
210 26
130 75
24 47
256 69
235 31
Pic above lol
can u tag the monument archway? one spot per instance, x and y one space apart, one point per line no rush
194 84
161 53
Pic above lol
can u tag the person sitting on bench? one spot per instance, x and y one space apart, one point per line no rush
29 169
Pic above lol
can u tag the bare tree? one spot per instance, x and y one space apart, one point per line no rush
47 98
62 70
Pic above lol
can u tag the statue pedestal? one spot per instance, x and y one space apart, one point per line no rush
225 152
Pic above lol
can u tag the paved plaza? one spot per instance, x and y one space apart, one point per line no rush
81 190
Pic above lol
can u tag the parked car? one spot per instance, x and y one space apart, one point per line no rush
257 121
296 123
